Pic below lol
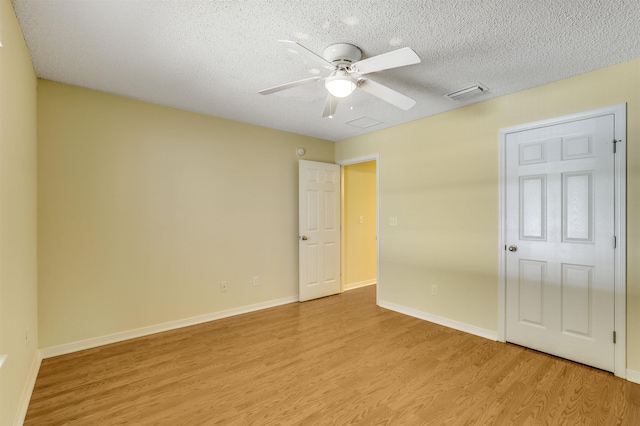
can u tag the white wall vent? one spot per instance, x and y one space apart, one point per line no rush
466 93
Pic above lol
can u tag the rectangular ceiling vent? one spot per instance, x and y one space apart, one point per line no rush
364 122
466 93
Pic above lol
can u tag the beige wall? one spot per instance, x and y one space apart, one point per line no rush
18 268
439 176
359 237
144 209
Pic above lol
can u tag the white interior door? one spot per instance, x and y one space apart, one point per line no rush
560 230
319 229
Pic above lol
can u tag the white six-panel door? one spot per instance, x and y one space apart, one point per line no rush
560 240
319 229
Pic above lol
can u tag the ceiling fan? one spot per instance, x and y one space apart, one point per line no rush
348 71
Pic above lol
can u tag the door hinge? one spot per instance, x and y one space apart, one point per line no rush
615 242
614 337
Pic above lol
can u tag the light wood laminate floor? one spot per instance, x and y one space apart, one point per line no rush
340 360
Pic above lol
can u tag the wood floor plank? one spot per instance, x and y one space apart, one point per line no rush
337 360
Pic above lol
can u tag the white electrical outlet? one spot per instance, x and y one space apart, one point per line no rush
223 286
393 221
434 290
256 282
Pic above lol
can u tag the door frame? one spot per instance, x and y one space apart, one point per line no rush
357 160
619 112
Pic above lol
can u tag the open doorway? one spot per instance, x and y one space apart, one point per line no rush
359 223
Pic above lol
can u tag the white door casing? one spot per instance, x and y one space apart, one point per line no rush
562 289
319 229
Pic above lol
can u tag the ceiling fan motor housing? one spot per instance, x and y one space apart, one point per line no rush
342 55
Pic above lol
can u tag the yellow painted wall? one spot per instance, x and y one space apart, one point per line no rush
359 237
439 176
18 262
144 209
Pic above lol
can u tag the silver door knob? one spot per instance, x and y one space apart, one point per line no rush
304 238
513 247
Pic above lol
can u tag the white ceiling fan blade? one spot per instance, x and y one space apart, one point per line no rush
286 86
394 59
330 106
303 51
386 94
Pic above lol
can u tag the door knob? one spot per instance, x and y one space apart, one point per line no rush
304 238
513 247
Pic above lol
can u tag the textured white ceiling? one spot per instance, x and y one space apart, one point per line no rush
213 57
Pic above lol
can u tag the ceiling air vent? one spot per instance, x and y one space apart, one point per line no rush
466 93
364 122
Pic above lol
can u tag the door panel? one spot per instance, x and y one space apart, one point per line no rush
560 215
319 229
577 295
577 207
531 289
533 207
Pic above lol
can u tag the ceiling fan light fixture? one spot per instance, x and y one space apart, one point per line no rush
340 84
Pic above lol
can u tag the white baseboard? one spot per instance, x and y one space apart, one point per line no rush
28 390
145 331
359 284
633 376
471 329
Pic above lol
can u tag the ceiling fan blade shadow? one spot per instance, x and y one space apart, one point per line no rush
306 53
386 94
330 106
393 59
286 86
